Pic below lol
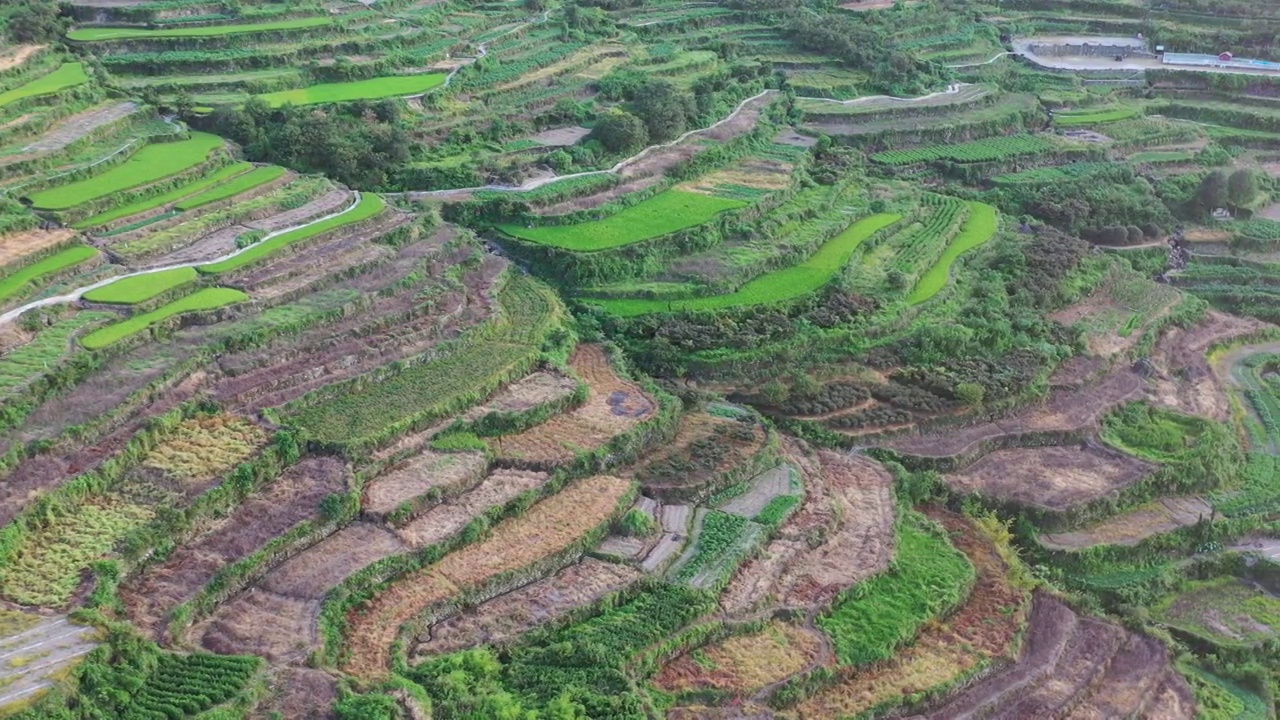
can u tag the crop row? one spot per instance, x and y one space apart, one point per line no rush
153 162
227 172
66 76
662 214
206 299
922 247
771 287
100 34
977 229
367 206
991 149
15 282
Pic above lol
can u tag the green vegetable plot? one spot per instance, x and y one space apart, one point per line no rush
11 284
106 33
207 299
242 183
775 286
977 151
133 290
223 173
660 215
150 164
369 205
1092 116
371 89
979 228
69 75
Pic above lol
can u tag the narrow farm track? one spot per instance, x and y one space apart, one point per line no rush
76 294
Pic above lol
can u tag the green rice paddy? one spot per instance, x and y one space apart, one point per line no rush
150 164
66 76
206 299
242 183
662 214
371 89
98 34
772 287
979 228
1071 118
11 284
369 206
136 289
223 173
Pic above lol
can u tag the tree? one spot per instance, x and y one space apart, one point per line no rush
1242 187
665 109
1212 193
36 21
620 131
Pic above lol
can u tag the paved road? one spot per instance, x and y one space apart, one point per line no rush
1022 46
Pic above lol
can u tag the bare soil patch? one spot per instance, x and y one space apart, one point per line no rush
1184 379
561 137
866 5
613 406
1162 516
848 512
789 136
1067 409
440 474
1056 478
299 693
279 628
323 566
507 617
540 388
17 55
15 246
444 521
1075 666
752 172
295 497
1270 212
984 629
550 527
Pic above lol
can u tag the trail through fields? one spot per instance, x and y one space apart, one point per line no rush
74 295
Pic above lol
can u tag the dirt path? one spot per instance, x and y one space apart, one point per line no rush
18 55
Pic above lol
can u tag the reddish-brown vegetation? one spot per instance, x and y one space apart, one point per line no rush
1076 666
1055 478
691 465
613 406
294 498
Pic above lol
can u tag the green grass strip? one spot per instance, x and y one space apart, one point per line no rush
141 206
874 618
662 214
154 162
68 75
1090 117
771 287
979 228
371 89
11 284
50 346
369 206
243 183
133 290
98 34
206 299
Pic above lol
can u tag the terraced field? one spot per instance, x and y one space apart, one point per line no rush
418 359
